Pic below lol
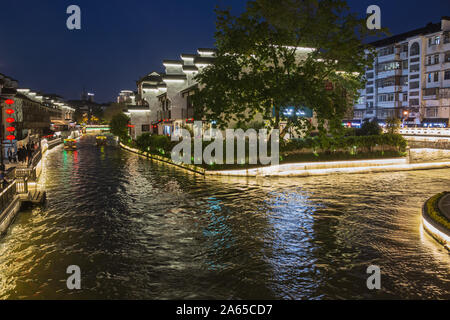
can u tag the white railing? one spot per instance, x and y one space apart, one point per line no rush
435 132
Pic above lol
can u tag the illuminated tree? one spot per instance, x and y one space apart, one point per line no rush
260 67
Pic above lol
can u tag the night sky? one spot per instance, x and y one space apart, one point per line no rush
121 41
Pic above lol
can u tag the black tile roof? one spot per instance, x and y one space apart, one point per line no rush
204 60
207 49
151 78
188 55
177 62
189 89
175 77
190 68
9 91
149 86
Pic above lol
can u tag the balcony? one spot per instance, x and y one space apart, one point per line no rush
430 93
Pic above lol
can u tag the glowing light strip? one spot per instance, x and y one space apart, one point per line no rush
434 231
202 65
278 170
139 110
190 71
174 80
172 64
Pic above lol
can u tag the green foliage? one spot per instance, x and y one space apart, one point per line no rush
369 129
144 141
155 144
251 125
119 127
332 144
259 70
78 116
112 110
393 124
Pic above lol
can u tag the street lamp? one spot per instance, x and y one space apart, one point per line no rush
405 116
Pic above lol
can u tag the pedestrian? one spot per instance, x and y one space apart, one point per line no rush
5 183
22 154
19 155
2 178
29 155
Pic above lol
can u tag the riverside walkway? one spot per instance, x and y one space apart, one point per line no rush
22 187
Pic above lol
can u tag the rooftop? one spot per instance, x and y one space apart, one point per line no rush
428 29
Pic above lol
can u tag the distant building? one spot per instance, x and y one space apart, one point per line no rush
34 113
87 96
127 97
410 79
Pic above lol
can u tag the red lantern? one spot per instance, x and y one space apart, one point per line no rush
10 129
10 120
9 111
9 101
11 137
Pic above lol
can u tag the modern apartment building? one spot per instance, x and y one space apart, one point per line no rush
410 79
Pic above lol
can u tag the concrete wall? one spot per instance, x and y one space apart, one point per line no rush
429 155
138 119
417 143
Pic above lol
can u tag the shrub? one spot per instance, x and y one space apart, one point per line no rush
155 144
434 212
144 141
369 129
331 144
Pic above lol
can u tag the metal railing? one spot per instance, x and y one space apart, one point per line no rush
7 196
22 185
19 177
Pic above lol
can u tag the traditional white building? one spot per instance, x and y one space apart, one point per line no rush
164 98
410 78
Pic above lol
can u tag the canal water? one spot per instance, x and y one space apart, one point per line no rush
143 230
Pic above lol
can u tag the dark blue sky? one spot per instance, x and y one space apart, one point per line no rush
123 40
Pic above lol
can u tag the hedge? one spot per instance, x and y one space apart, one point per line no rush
331 144
434 212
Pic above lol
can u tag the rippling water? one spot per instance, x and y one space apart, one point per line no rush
145 230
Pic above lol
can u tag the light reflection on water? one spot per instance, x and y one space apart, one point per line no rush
143 230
